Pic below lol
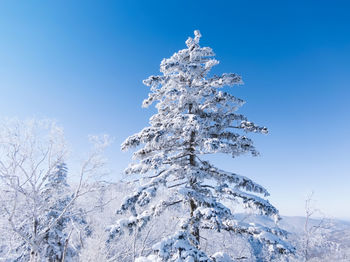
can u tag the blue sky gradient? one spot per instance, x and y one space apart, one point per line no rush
83 62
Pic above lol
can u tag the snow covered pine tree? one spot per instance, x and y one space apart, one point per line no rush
194 118
57 194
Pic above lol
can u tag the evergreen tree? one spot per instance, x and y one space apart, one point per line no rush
195 118
57 195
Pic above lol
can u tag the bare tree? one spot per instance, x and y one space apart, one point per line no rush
30 152
315 233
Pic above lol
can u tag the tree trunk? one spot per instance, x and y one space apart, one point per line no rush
193 205
195 226
34 253
66 247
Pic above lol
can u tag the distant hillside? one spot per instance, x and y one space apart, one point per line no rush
329 239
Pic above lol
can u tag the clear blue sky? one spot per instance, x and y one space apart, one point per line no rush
83 62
